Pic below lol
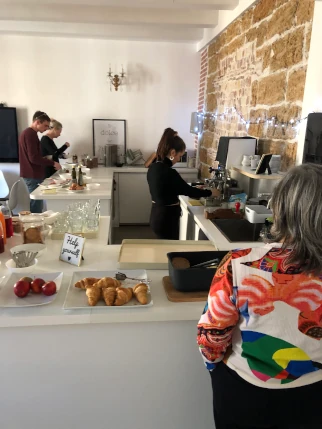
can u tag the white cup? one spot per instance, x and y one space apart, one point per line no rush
253 164
246 161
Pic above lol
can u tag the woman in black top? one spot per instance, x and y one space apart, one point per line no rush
165 185
48 147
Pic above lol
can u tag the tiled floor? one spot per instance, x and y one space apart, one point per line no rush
131 231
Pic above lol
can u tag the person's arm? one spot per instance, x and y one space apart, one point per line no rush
61 149
182 188
49 147
220 316
33 152
149 161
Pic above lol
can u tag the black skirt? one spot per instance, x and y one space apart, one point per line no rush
165 221
241 405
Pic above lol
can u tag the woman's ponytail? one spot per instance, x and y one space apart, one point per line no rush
168 142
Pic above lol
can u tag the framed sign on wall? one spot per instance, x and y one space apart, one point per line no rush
108 131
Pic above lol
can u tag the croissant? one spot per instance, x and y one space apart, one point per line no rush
141 293
84 283
109 295
107 282
123 295
93 295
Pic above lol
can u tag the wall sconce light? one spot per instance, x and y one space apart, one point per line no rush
115 79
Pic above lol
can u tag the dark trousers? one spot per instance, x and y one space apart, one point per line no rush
241 405
165 221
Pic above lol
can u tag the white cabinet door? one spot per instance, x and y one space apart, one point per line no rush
134 198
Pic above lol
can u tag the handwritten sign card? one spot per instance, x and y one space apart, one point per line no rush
72 249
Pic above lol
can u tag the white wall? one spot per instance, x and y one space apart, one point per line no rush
312 101
67 79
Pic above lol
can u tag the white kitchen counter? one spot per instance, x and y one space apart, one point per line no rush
106 173
105 177
211 231
97 368
103 192
97 256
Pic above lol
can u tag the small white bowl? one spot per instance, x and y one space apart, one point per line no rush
31 247
87 179
11 265
65 176
86 170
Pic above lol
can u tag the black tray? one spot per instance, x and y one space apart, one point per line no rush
193 279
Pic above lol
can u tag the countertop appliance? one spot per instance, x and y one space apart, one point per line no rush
231 150
110 155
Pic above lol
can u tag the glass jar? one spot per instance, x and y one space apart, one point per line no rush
32 228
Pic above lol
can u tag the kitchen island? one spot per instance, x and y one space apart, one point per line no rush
123 193
101 367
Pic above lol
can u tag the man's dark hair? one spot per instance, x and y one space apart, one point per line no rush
40 116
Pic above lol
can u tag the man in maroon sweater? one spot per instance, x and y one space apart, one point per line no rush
32 164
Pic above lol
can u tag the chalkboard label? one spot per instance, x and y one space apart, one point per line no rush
72 249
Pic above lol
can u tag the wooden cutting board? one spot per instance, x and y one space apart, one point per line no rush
175 296
152 254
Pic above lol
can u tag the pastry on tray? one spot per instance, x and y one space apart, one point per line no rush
141 293
93 295
108 282
110 290
180 262
84 283
109 295
123 295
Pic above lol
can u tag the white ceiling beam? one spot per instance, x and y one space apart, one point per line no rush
109 15
100 31
161 4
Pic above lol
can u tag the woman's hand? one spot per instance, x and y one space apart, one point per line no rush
67 144
57 166
215 192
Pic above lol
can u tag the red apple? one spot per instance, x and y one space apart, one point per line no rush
49 288
36 285
21 288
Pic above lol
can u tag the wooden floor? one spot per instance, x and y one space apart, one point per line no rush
132 232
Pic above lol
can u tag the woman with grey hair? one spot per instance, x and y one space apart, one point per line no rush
261 330
48 146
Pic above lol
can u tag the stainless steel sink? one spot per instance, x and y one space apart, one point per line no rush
236 230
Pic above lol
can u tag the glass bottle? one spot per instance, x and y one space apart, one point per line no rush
3 222
8 219
80 177
1 239
74 178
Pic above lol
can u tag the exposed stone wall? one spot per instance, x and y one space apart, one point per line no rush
258 64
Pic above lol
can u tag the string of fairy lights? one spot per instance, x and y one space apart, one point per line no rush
273 121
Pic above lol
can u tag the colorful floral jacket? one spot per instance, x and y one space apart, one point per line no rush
264 319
